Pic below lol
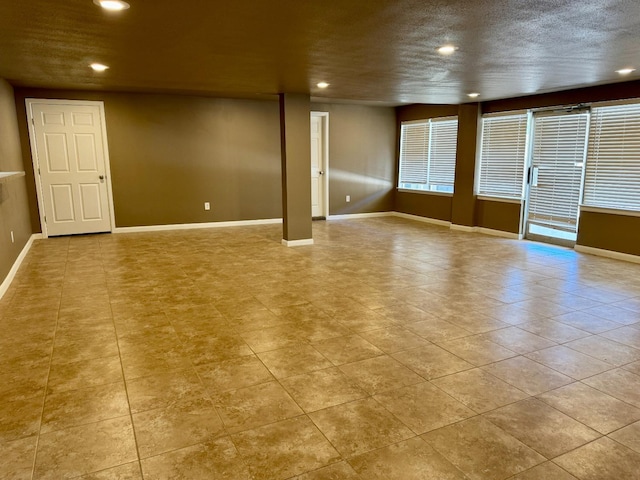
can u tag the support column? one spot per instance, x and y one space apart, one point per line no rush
464 200
295 138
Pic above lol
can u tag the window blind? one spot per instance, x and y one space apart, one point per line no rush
428 154
558 155
502 156
612 178
444 138
414 153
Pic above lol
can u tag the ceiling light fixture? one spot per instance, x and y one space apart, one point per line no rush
625 71
447 49
98 67
473 95
112 5
322 85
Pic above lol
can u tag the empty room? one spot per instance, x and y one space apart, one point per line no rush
359 240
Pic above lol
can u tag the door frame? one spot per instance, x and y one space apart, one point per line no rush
34 153
524 217
324 120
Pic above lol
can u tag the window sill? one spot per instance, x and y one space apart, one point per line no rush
610 211
425 192
500 199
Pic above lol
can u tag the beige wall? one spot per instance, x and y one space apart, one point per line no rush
14 206
362 157
169 154
620 233
295 128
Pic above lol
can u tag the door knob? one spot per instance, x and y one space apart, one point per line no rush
101 177
320 172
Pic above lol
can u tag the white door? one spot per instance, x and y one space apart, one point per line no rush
318 166
71 166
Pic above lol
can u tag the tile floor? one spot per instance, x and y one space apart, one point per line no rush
389 350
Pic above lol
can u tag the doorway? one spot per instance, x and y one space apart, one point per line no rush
319 165
71 166
556 176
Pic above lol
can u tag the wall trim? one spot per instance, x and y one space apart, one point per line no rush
463 228
193 226
348 216
627 257
16 265
499 233
418 218
297 243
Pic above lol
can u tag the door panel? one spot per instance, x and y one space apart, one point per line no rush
69 150
62 203
90 201
555 187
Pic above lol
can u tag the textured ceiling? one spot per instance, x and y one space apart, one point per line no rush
368 50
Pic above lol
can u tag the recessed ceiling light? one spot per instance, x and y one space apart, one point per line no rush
447 49
625 71
323 85
98 67
112 5
473 95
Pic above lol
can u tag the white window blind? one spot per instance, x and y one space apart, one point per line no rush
428 155
502 156
612 178
558 156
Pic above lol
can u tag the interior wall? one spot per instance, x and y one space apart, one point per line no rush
169 154
362 157
497 215
14 204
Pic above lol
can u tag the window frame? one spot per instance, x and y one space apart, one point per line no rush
429 147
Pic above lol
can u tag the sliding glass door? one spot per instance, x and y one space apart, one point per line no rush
557 158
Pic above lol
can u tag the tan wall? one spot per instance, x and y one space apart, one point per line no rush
362 157
14 204
498 215
620 233
169 154
295 128
424 205
464 196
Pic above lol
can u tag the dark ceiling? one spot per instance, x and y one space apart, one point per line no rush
368 50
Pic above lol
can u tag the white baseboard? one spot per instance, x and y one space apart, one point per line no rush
608 253
192 226
417 218
463 228
349 216
16 265
499 233
297 243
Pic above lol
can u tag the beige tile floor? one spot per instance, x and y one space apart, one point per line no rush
388 350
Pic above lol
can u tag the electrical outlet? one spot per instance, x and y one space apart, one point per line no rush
13 240
207 206
348 198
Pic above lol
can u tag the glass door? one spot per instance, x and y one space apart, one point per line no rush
556 175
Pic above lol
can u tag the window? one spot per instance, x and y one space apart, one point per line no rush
502 156
612 178
428 154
